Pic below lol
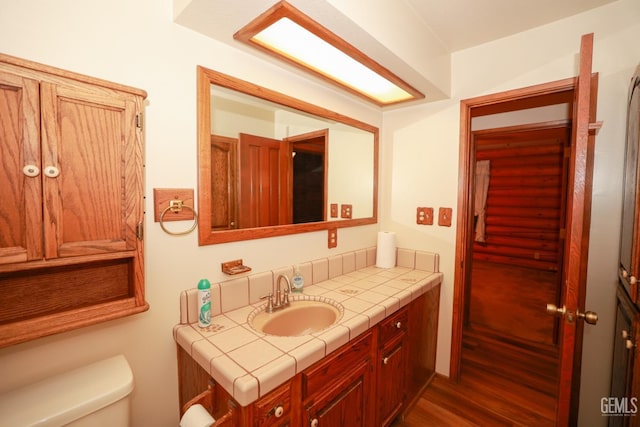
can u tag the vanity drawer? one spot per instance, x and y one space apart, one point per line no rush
333 367
274 408
394 324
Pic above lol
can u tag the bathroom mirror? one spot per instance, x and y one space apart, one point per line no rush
270 164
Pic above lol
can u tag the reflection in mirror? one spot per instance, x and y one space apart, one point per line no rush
272 165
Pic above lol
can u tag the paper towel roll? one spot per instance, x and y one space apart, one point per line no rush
196 416
386 250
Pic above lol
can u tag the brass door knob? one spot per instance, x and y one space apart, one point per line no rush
591 317
554 309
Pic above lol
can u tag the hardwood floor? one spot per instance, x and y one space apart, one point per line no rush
511 301
498 387
507 379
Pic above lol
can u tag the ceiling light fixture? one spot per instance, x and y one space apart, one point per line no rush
290 35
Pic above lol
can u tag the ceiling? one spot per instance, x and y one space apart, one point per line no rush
412 38
461 24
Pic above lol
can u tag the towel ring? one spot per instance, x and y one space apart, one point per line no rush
176 206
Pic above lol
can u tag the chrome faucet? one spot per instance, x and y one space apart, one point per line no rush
278 300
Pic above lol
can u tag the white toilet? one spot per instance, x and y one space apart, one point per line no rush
95 395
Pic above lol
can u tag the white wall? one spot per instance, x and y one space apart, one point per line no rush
421 147
136 43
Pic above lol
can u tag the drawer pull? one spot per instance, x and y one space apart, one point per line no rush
398 325
278 411
314 422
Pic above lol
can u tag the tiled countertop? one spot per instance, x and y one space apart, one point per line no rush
248 364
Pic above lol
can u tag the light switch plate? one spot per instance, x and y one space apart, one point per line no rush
444 217
334 210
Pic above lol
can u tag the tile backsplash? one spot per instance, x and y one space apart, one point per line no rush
242 291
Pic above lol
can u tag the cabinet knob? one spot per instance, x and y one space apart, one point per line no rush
385 360
31 171
398 325
629 344
51 171
278 411
314 422
625 334
633 280
625 273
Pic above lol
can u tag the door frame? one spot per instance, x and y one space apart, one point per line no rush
576 247
534 96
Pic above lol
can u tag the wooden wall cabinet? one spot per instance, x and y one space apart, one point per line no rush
625 376
71 215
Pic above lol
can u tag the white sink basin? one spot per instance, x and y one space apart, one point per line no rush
302 317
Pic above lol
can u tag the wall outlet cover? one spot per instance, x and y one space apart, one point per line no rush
346 211
424 216
332 238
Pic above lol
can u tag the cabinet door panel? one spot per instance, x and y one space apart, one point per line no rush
20 195
391 375
345 404
90 139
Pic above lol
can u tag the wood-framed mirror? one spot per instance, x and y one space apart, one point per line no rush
271 165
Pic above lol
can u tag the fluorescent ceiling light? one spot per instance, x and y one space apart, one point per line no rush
288 34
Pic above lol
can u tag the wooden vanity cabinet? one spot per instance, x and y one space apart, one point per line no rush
392 362
72 200
353 386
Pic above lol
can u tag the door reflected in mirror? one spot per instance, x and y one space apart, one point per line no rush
272 165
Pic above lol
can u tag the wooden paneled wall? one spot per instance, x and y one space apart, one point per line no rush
526 197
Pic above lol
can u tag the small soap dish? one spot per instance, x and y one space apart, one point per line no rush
234 267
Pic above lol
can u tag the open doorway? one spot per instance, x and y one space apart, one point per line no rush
516 154
521 177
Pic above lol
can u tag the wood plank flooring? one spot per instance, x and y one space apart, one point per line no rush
506 380
496 389
512 300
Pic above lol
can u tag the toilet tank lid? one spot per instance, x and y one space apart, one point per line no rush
63 398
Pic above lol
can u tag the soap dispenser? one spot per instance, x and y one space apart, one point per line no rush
297 280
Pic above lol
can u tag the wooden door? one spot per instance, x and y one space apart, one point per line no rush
262 181
583 90
20 191
223 211
577 241
91 165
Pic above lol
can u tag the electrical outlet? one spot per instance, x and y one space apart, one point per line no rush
424 216
444 217
345 211
332 238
